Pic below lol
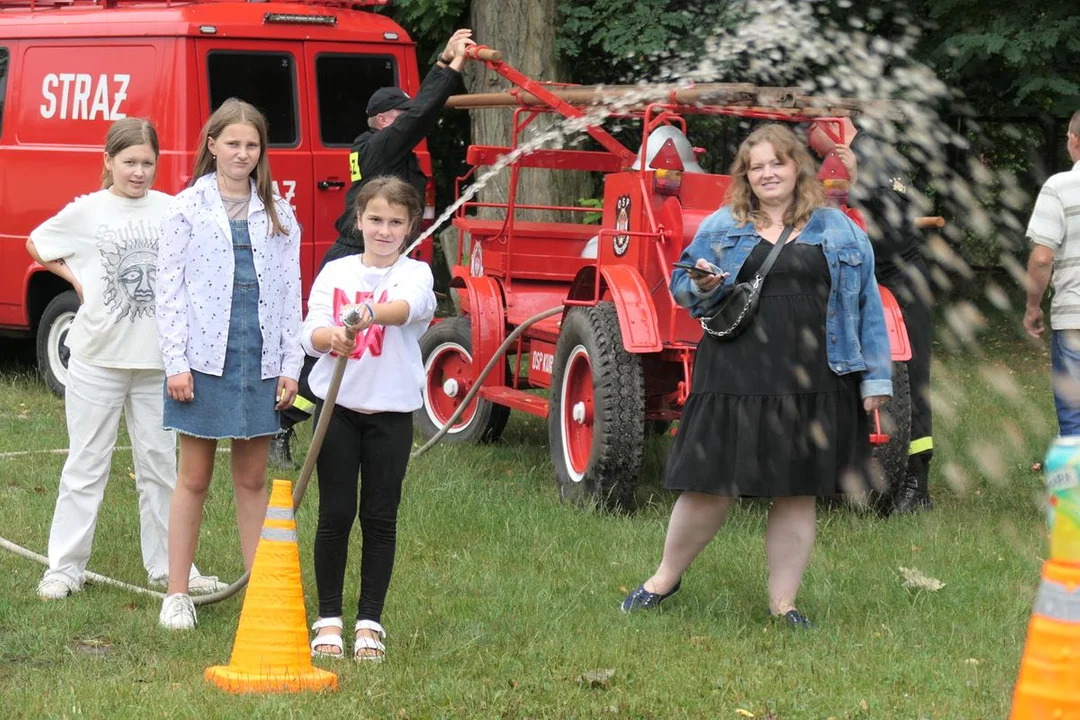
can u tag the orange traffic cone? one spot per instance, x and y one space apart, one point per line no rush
1050 670
271 652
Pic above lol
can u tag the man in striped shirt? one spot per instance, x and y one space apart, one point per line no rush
1054 230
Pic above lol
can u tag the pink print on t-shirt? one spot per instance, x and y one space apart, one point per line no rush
372 337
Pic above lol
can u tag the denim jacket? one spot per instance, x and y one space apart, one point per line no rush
855 327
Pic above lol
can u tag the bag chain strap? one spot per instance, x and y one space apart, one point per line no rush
755 287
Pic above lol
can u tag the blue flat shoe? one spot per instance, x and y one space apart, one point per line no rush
642 599
794 619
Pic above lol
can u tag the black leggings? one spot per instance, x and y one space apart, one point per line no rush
376 447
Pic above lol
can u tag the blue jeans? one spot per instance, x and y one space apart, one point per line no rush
1065 367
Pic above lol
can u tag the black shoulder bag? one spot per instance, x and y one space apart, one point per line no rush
736 311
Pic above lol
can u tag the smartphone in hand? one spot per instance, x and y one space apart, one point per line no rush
695 269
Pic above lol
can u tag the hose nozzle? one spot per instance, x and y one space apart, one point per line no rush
350 315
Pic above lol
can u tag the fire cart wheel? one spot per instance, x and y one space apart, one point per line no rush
596 423
447 351
893 456
52 350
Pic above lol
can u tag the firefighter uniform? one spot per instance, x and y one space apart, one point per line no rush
885 195
374 153
390 151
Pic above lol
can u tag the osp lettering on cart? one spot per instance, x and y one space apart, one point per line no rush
83 96
542 361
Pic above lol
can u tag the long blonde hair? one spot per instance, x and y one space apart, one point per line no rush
125 133
809 192
232 112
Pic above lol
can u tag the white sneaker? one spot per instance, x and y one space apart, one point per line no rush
197 584
205 584
177 612
54 588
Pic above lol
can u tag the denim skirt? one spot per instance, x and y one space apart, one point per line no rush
239 403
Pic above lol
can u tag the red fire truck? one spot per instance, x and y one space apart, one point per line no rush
70 67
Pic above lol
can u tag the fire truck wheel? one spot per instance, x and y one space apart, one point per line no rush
892 458
447 351
52 332
596 423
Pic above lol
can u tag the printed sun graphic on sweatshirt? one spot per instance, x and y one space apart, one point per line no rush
129 258
372 337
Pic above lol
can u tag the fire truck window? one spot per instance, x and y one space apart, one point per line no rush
345 82
266 80
3 83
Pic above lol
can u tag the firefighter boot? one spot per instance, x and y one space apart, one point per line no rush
280 452
914 494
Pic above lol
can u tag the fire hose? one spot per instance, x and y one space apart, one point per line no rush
350 317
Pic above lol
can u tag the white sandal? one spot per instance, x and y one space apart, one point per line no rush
367 643
331 640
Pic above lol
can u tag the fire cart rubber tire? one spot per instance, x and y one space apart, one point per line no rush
893 456
446 348
52 332
596 423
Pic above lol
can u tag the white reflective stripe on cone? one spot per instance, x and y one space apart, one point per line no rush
278 534
1057 602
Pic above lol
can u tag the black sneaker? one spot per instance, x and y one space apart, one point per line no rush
642 599
280 452
794 619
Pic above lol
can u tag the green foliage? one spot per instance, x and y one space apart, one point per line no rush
614 38
592 218
429 23
1016 58
620 28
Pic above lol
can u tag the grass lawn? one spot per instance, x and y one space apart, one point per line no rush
503 597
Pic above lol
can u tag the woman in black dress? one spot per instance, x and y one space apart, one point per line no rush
781 410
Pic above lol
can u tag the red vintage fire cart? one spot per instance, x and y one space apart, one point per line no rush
618 358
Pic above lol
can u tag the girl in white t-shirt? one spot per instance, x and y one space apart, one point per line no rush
105 245
370 431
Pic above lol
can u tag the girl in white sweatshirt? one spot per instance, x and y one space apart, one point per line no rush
370 432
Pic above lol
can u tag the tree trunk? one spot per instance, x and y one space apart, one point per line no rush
525 33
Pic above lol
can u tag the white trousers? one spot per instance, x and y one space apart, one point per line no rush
94 399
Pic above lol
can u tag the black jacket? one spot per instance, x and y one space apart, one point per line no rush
390 151
890 203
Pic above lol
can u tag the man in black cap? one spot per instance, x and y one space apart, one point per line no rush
397 125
